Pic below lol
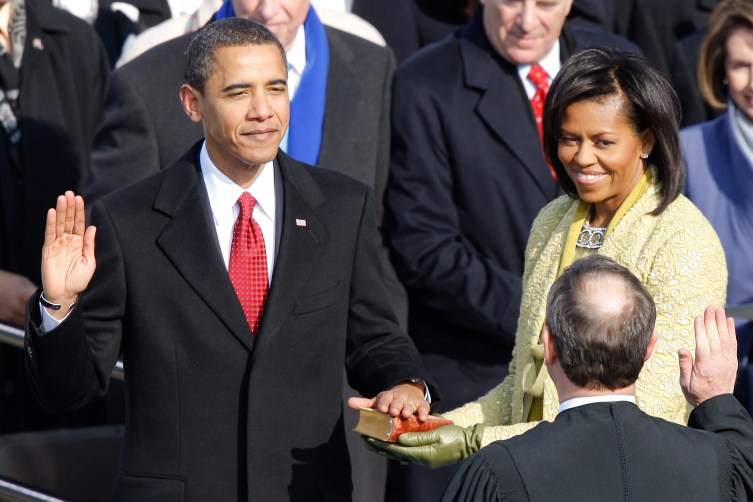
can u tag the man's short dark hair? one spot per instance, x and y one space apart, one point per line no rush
229 32
600 347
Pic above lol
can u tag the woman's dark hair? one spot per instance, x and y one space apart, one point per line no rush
726 18
649 104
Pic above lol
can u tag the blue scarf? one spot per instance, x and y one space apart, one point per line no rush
308 105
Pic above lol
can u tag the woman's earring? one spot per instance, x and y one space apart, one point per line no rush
644 155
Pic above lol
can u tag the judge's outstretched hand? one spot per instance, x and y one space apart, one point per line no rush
715 367
68 253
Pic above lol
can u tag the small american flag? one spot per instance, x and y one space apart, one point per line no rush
300 223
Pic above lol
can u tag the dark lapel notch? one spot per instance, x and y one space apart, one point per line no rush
190 242
303 238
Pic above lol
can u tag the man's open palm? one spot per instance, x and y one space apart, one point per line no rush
68 253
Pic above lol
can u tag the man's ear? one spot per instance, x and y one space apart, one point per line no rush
651 344
550 348
190 97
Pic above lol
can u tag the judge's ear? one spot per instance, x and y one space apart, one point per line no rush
651 344
191 99
550 348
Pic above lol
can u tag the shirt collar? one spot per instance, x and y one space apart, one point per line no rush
297 54
608 398
550 62
224 193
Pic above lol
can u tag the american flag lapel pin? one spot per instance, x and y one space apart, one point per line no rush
300 223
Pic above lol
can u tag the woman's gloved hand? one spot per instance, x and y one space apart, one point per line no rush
444 445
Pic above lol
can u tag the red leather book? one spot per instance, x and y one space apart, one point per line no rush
381 426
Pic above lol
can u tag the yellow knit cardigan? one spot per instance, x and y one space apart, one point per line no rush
676 255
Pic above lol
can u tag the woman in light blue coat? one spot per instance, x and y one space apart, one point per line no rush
719 158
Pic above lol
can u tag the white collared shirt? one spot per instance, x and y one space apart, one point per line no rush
223 198
551 64
607 398
296 61
296 64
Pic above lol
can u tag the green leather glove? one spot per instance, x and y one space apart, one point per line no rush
444 445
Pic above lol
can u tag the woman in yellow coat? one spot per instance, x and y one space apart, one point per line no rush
611 135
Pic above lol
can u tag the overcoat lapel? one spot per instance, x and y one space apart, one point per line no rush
190 242
303 239
40 38
494 79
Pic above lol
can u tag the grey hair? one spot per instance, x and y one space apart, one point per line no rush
600 349
228 32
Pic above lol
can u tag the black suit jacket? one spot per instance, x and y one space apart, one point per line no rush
214 413
468 177
614 451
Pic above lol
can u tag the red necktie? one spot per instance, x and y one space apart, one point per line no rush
248 263
540 79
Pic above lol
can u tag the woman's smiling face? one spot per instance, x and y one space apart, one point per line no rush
601 151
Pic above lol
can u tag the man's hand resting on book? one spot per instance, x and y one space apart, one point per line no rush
402 400
444 445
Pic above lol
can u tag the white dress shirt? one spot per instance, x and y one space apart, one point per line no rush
608 398
296 57
551 64
223 199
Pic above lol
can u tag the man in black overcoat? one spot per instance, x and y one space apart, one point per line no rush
219 408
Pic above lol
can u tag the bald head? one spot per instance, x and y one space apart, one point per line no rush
601 319
606 295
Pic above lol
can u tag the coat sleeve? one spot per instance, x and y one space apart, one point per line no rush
379 354
496 408
725 416
70 365
432 256
494 411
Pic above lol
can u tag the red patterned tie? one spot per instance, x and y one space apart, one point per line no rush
248 263
540 79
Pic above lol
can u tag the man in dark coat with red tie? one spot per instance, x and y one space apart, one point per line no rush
225 401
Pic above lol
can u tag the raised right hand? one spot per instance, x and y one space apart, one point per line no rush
68 262
714 369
